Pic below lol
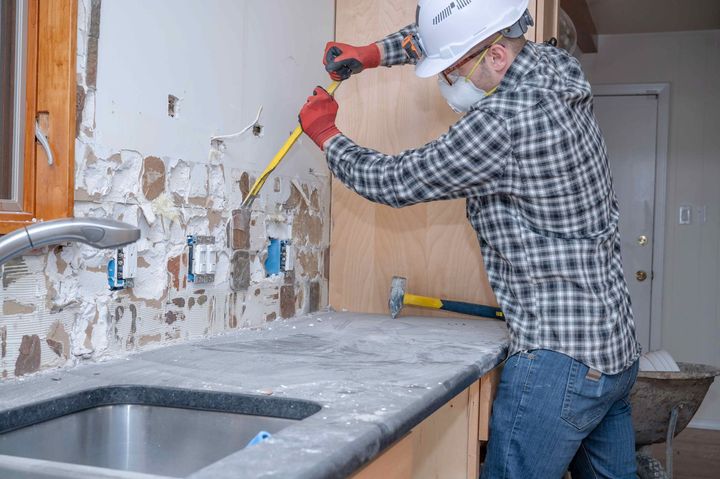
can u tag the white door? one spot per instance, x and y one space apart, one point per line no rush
629 124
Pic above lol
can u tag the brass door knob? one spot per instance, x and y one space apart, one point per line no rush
641 276
642 240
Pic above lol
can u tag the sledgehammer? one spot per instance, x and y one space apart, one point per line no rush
399 298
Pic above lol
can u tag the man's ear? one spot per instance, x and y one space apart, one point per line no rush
497 57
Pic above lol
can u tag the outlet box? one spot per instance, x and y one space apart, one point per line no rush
122 269
279 257
202 257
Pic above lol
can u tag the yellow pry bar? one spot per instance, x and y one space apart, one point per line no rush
255 190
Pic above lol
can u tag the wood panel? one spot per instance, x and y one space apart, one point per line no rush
51 95
546 20
431 244
473 438
443 445
488 389
391 110
57 90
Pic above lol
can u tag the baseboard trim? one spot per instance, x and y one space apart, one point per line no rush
713 424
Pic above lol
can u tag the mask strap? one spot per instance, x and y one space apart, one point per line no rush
477 64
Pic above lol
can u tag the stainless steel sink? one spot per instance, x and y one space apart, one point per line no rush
161 431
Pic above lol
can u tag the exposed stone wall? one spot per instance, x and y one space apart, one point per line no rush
57 308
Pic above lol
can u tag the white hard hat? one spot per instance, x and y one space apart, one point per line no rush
448 29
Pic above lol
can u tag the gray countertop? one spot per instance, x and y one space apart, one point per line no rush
374 377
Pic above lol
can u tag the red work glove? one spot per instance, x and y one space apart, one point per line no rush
317 117
342 60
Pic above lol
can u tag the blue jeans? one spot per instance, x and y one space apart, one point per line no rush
553 414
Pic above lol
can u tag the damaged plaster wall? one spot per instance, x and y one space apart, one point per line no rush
153 89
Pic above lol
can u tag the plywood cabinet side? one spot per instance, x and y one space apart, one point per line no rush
546 20
488 388
443 445
390 110
433 245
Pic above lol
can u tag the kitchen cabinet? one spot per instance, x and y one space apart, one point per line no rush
447 444
390 110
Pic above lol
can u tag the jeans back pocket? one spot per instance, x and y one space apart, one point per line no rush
585 401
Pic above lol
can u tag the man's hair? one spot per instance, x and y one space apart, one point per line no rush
514 44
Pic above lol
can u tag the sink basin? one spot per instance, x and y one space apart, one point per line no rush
164 431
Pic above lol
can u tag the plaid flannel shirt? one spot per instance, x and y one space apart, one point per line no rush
532 164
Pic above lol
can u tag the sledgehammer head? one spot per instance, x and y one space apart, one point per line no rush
397 295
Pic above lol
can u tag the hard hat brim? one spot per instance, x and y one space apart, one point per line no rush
428 67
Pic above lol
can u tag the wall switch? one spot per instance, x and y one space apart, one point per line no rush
685 215
202 257
122 269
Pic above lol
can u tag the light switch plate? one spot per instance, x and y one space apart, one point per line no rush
202 259
685 215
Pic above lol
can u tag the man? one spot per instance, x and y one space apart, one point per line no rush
530 159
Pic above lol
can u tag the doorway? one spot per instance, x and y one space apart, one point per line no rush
634 121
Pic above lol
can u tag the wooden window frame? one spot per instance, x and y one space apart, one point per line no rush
50 99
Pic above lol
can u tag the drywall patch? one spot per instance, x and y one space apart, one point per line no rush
11 307
240 229
153 177
314 302
326 264
126 177
287 301
93 38
3 341
149 339
308 261
28 360
179 181
172 316
244 184
79 104
240 271
308 228
58 340
12 271
216 186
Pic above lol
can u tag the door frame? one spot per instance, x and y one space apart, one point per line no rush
662 91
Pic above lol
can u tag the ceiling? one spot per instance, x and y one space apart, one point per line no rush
648 16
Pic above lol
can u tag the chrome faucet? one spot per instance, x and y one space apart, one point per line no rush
95 232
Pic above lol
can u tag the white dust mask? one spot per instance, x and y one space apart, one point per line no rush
461 95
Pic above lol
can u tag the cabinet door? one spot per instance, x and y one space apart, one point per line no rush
390 109
432 244
443 445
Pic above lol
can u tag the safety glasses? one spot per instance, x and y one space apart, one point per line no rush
450 75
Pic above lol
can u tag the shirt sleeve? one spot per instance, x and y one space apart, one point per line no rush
461 163
394 51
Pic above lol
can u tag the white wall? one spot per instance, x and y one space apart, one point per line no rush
135 163
223 59
690 62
